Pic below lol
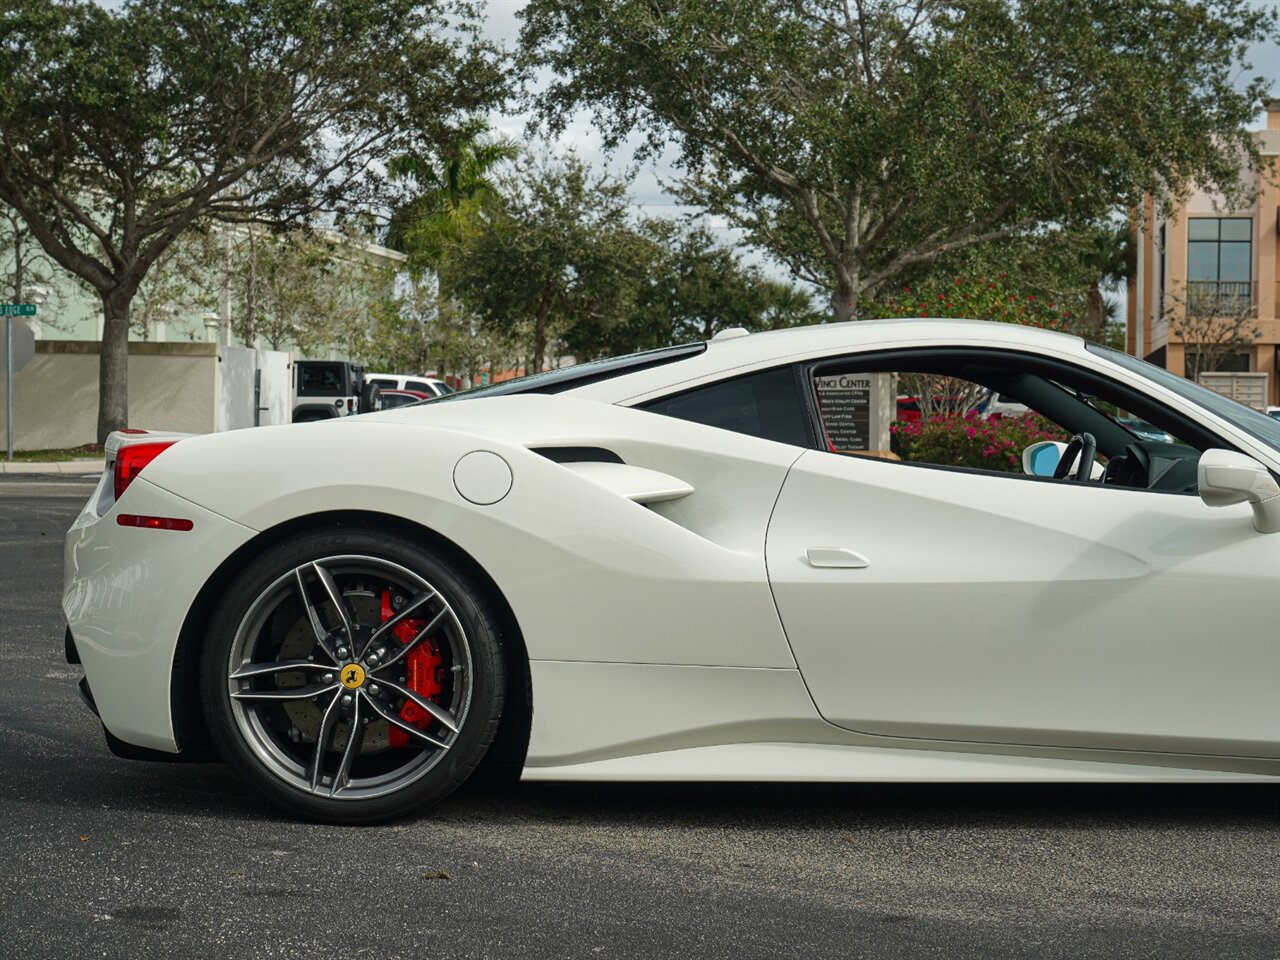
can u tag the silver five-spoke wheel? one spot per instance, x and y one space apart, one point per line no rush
348 677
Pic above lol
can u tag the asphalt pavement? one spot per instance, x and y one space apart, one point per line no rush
112 858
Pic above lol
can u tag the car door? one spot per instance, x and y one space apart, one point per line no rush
934 603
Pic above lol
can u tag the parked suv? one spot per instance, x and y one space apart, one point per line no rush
331 388
400 381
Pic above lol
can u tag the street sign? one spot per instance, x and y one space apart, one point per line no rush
17 309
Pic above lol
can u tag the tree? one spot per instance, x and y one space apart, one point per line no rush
1214 320
448 201
1111 258
707 287
559 251
859 139
448 195
786 305
313 290
28 269
121 129
688 286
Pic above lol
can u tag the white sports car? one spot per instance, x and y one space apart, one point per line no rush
663 567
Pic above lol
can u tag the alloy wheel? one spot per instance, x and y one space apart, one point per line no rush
350 677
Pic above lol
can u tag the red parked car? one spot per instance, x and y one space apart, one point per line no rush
908 408
398 398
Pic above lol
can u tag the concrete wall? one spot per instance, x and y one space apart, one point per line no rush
172 386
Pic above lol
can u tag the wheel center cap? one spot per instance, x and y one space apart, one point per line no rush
352 676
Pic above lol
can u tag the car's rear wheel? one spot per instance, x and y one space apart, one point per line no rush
352 675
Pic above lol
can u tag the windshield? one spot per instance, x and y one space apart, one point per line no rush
1255 424
578 375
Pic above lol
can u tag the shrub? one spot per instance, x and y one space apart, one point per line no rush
970 440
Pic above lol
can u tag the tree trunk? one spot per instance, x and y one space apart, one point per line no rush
844 303
113 376
540 335
1095 310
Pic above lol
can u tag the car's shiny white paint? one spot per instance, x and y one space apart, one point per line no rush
656 647
128 591
1066 614
1226 477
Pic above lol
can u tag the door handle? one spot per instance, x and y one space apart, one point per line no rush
836 557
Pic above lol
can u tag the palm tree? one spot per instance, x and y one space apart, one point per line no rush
1111 256
449 200
448 196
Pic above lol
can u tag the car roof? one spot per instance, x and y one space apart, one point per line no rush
758 350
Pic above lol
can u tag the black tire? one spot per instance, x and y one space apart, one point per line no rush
311 416
370 398
247 732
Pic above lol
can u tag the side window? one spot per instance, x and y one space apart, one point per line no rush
766 405
383 383
420 385
943 418
322 378
935 419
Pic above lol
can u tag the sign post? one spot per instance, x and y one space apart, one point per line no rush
9 311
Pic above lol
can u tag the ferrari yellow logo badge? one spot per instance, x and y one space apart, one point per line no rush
352 676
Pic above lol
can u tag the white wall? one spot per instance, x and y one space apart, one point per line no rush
238 370
184 387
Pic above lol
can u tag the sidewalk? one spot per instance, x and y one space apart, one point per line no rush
63 467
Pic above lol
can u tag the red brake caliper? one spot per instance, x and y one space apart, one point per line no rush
423 672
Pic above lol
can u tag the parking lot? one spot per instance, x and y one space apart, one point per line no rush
111 858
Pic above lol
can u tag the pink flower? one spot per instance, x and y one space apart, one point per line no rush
970 433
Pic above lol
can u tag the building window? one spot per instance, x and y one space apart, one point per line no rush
1205 361
1220 261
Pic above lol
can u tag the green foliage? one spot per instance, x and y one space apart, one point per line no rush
859 142
970 440
977 298
688 287
559 252
122 128
449 196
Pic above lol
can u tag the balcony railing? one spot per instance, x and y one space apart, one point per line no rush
1222 298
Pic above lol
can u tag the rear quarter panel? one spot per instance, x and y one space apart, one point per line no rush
589 575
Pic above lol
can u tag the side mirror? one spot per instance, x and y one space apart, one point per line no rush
1226 477
1041 459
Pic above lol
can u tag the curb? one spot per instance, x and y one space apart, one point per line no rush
64 467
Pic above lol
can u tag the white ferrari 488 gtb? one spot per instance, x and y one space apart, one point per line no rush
705 562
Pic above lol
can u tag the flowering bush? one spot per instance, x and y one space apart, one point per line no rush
970 440
979 298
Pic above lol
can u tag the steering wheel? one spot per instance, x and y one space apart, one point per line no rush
1086 447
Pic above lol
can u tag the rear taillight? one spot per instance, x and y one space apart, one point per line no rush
131 459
